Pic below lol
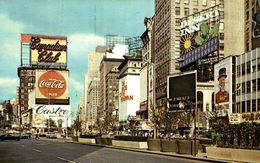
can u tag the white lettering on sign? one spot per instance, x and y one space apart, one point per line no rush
52 83
190 26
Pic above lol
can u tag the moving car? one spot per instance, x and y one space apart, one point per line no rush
51 135
10 135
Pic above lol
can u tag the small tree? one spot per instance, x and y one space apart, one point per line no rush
77 126
156 119
50 123
169 119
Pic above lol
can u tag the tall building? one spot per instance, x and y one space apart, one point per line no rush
147 93
91 87
129 87
110 61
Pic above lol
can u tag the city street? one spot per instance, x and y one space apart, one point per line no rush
26 151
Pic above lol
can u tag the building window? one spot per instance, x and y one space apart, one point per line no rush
186 11
253 105
221 14
204 2
238 107
238 71
258 104
213 2
248 86
177 1
243 69
243 107
248 106
258 64
253 85
195 2
177 11
195 10
243 88
248 67
186 2
221 36
254 65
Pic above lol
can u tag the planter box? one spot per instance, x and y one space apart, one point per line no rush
130 144
240 155
75 138
187 147
154 144
103 141
87 140
169 146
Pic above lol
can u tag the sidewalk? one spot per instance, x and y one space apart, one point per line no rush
200 156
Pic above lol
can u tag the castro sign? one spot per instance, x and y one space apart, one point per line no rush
52 84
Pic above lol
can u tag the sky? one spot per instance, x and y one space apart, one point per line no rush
83 22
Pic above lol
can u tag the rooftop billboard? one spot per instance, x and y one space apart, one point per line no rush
199 36
182 90
46 50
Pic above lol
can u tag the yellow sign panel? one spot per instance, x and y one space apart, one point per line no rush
48 50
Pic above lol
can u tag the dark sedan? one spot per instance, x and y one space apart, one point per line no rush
10 135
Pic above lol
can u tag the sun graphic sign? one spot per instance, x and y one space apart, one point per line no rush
187 43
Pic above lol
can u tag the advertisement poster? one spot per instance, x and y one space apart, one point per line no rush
223 86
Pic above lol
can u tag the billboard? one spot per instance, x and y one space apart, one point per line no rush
223 87
182 90
46 50
51 84
199 36
58 113
256 25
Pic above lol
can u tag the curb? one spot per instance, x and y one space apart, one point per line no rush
152 152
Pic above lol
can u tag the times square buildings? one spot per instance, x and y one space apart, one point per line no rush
171 48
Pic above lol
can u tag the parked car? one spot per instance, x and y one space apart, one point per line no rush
10 135
52 135
26 135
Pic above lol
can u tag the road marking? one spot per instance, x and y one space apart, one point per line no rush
63 159
37 150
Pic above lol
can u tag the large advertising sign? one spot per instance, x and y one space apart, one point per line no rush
223 86
199 36
182 91
46 50
60 114
51 84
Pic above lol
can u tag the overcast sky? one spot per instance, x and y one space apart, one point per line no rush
84 22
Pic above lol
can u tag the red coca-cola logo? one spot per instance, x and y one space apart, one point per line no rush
52 84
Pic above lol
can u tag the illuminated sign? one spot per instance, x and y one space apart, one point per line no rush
51 84
123 95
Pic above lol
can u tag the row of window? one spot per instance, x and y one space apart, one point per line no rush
195 2
248 67
248 106
249 86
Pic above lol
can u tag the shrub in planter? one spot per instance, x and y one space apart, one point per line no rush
187 147
130 138
154 144
75 138
91 136
103 141
169 145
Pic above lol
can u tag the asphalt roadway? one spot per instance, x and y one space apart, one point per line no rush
55 150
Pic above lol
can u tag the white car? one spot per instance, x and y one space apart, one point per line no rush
51 135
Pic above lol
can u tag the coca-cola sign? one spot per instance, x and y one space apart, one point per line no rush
52 84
